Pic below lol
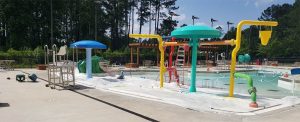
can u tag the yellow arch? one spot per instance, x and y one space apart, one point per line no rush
162 69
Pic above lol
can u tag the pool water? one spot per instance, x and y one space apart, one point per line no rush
265 82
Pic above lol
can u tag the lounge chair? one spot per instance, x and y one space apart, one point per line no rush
296 64
62 52
104 66
148 63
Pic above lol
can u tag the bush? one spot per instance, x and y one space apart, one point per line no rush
29 58
24 58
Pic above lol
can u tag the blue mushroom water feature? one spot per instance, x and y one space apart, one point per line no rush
194 33
88 45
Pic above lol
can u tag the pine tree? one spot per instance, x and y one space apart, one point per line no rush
143 13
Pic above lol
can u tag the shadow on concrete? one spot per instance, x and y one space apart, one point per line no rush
28 81
78 87
235 96
4 105
116 106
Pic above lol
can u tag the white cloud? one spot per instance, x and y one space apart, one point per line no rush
259 3
145 28
247 3
136 27
200 23
180 18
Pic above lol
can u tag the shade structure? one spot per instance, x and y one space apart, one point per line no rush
88 45
194 33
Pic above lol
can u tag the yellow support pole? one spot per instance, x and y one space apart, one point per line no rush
238 45
162 69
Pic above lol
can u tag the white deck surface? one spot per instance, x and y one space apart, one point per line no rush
33 102
204 99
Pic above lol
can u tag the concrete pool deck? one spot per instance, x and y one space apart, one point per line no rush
34 102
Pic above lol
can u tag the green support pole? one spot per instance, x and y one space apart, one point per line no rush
194 65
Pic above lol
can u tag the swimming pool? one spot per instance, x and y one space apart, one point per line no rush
266 82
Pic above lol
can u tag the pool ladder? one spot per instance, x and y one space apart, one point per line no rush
180 62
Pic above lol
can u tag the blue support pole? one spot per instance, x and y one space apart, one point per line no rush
88 63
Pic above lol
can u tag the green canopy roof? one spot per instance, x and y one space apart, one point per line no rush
196 32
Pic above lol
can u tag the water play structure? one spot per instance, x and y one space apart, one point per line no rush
161 45
176 70
244 58
264 36
88 45
251 88
194 33
81 65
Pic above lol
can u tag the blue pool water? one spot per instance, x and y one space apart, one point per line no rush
265 82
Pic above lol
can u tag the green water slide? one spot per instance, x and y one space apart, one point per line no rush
95 65
251 88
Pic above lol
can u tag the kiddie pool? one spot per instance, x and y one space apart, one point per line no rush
266 82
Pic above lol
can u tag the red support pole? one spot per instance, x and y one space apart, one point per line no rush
138 56
131 55
171 60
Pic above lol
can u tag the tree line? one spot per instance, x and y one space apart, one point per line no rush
285 38
26 24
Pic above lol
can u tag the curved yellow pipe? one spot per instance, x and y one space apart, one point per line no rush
174 44
162 69
238 45
225 42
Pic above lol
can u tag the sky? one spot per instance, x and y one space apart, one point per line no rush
221 10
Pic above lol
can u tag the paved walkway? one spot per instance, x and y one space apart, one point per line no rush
34 102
